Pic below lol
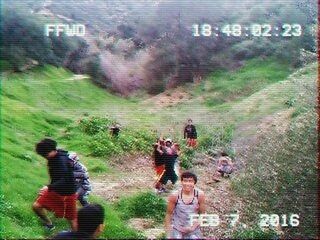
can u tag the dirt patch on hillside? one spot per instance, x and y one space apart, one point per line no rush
76 77
169 98
131 174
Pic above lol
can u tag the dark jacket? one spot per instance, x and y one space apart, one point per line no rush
61 174
169 161
190 132
158 158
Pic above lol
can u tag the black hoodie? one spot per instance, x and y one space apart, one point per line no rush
61 174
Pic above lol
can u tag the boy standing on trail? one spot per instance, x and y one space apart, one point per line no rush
190 133
181 205
60 195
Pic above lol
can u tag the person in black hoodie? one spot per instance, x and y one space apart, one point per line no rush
190 133
90 224
60 195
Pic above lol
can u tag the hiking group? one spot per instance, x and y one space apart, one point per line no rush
69 182
187 199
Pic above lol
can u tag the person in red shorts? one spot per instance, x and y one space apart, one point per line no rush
60 195
190 133
158 162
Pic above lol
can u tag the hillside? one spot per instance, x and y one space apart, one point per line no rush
50 101
151 46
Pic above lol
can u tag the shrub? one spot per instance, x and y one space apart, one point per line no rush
217 138
103 144
93 125
186 158
146 205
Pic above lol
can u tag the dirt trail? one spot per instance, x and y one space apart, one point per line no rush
133 174
76 77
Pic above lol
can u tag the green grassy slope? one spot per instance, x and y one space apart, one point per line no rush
48 101
37 104
281 171
225 86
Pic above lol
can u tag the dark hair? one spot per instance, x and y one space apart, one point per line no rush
90 217
45 146
188 174
224 154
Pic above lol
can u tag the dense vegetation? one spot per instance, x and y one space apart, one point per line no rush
149 45
24 45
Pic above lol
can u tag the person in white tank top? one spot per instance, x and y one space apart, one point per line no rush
181 205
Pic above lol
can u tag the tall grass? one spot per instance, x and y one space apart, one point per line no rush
281 172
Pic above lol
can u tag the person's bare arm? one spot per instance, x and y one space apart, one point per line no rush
184 132
202 209
170 207
202 202
230 162
219 162
159 149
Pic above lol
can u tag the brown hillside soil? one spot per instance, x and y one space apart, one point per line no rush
169 98
131 174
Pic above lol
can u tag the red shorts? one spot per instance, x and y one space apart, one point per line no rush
191 142
62 206
159 169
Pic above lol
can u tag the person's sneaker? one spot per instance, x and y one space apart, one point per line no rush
162 190
49 227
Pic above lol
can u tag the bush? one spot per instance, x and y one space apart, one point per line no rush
94 125
146 205
103 144
217 138
187 157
